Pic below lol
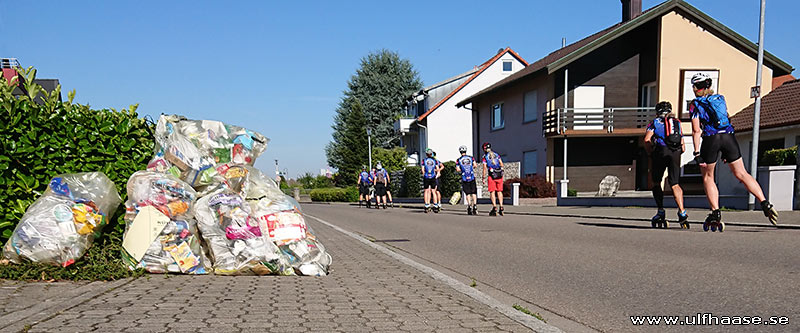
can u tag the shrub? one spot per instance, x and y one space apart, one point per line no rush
571 192
531 187
391 159
41 140
334 194
785 156
413 182
450 180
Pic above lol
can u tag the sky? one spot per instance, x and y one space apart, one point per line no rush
280 67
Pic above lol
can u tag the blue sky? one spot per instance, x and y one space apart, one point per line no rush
280 67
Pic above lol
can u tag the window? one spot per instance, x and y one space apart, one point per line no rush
506 66
686 92
649 95
530 107
529 159
497 116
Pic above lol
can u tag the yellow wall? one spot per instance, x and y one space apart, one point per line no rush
685 45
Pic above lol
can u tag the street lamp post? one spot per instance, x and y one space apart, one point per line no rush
369 146
757 108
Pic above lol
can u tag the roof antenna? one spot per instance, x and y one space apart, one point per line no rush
563 42
500 50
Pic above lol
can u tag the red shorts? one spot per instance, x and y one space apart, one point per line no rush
495 185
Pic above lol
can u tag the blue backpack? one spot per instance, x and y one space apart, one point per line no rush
716 109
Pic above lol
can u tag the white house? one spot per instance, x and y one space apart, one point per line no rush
432 119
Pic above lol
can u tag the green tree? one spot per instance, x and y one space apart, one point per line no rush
391 159
380 86
350 152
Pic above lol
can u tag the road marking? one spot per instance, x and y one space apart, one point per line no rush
508 311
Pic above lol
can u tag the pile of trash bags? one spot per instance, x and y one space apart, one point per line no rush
202 207
60 225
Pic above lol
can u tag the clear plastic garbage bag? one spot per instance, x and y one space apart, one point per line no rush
60 225
175 248
190 149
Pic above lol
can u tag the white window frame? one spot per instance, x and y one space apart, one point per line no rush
502 117
647 88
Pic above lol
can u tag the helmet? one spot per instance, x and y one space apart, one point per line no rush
663 108
379 166
462 149
434 153
701 80
428 152
363 167
487 145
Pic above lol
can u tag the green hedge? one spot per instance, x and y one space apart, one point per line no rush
40 141
412 184
785 156
450 180
349 194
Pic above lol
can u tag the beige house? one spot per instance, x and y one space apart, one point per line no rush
613 79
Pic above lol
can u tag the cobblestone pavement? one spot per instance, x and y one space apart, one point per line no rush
366 291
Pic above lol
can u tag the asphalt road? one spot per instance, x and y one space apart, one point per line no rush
599 272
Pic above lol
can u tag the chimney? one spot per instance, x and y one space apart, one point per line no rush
631 9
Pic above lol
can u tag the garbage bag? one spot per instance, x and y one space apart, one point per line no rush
190 149
160 231
60 225
234 240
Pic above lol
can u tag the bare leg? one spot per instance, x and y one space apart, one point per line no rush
677 191
491 196
712 193
737 167
500 198
427 196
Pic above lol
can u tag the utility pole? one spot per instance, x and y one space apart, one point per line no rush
277 172
757 110
369 146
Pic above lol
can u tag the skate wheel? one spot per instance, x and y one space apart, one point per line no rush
713 227
654 224
721 226
705 226
665 225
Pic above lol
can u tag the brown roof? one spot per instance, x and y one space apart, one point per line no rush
483 67
779 80
543 62
565 55
781 107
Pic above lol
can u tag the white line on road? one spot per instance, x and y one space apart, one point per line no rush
477 295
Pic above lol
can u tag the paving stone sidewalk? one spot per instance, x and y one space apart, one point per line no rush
367 291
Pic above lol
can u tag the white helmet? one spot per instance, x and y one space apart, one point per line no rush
462 149
700 77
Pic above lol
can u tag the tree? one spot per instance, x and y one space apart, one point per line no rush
349 152
391 159
380 86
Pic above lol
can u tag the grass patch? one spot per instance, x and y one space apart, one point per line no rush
524 310
474 283
102 262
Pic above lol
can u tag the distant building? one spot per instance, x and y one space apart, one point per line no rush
9 67
326 172
432 119
613 80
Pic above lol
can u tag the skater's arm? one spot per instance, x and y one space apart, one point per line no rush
696 132
648 144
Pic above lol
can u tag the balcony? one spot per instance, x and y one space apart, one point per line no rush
596 121
403 125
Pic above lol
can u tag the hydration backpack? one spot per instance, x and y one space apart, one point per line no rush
716 109
672 133
381 176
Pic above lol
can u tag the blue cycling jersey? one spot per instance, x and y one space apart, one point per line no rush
429 165
365 178
466 163
492 163
661 129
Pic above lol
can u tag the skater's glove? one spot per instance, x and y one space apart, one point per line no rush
698 159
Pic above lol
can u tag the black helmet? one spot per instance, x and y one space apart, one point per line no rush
487 145
663 108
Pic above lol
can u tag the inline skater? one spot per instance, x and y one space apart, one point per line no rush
437 206
364 181
381 182
429 170
493 166
466 165
710 121
665 144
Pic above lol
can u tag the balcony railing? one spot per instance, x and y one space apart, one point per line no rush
9 63
574 120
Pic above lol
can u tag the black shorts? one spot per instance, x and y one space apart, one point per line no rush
669 160
469 187
438 184
724 143
429 183
363 189
380 189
